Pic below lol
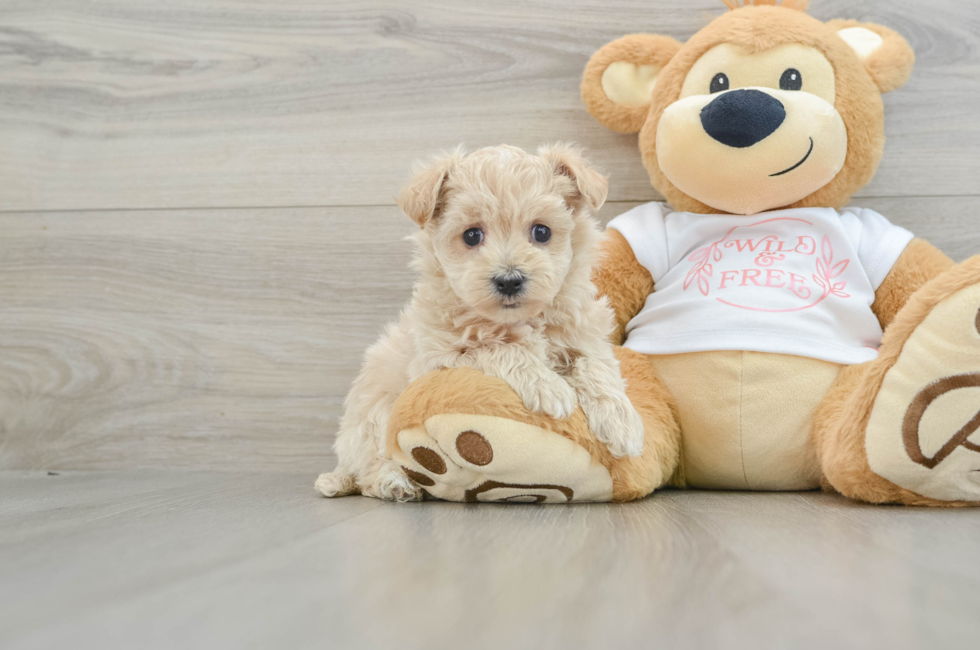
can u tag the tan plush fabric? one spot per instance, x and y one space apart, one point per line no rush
628 84
622 279
919 263
745 417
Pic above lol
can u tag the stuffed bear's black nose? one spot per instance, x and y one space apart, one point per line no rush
741 118
510 284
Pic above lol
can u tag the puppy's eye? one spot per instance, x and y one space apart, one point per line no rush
719 83
541 233
472 237
791 79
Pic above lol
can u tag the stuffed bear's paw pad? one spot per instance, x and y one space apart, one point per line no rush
924 430
474 448
471 458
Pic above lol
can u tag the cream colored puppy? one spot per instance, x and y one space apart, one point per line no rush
504 259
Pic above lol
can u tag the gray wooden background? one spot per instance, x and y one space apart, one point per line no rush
197 232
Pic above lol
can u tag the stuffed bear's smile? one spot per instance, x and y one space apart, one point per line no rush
786 171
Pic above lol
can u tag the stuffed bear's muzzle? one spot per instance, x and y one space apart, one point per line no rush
749 150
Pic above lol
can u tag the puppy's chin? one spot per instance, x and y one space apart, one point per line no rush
515 313
509 312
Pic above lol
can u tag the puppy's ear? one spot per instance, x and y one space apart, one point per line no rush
886 56
618 81
423 197
588 185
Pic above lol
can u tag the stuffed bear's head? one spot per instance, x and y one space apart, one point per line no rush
764 108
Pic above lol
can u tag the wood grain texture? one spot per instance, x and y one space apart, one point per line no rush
154 339
191 560
142 104
221 339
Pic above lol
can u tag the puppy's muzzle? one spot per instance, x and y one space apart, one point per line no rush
509 284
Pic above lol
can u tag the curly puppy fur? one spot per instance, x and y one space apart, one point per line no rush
549 340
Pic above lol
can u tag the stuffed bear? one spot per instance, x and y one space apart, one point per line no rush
771 338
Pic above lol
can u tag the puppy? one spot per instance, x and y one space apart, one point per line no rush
504 258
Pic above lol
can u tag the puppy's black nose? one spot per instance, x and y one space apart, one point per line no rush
510 284
741 118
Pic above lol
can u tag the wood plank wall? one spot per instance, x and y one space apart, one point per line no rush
197 231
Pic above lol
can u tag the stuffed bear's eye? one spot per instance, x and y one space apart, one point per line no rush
791 79
719 83
541 233
472 237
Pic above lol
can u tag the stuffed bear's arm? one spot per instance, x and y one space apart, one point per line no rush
622 279
918 263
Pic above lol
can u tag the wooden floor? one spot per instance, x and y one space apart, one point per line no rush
197 242
167 559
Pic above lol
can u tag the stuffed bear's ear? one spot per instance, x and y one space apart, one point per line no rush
590 187
422 198
619 79
886 56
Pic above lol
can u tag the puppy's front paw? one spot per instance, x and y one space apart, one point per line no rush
391 484
551 396
616 423
336 484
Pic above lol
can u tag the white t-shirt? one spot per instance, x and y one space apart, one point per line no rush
795 281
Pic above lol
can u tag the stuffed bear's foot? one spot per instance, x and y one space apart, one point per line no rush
463 436
924 429
909 431
461 457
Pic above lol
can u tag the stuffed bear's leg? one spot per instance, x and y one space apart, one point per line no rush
905 428
464 436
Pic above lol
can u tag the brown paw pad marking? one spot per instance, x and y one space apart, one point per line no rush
917 410
429 459
418 477
528 493
474 448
